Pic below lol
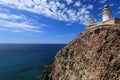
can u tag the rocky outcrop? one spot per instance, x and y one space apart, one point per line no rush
47 73
93 55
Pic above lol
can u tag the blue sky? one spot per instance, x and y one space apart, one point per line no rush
49 21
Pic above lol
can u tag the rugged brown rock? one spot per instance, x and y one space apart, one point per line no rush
93 55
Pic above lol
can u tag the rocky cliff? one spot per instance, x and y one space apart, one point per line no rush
93 55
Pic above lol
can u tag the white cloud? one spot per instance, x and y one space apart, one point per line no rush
36 2
18 27
8 23
77 3
111 5
11 30
52 9
83 10
69 1
90 7
9 16
69 24
102 1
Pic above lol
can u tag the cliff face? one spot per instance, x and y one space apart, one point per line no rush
93 55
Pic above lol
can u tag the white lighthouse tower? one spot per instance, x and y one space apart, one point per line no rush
106 13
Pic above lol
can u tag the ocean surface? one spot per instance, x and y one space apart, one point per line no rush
25 61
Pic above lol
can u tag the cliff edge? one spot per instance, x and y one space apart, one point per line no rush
93 55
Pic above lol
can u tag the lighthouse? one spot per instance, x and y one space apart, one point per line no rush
106 20
106 13
92 20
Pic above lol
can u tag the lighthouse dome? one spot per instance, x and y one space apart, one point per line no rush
106 8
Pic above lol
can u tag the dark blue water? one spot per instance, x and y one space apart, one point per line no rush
25 61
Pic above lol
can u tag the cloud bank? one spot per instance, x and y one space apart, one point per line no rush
17 22
54 9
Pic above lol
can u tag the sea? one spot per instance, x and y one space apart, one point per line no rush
26 61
